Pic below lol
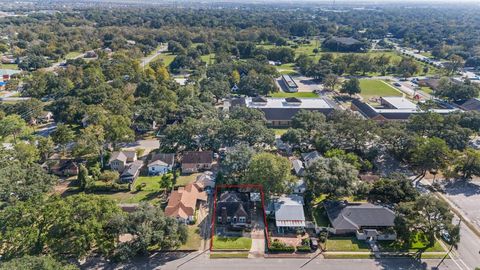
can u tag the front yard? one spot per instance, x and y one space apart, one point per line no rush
194 239
231 243
415 245
346 244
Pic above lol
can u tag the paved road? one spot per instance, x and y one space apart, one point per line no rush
467 256
150 58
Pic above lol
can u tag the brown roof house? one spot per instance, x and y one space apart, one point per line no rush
62 167
194 161
184 201
233 208
119 160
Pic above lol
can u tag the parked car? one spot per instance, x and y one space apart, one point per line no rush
445 236
313 243
397 84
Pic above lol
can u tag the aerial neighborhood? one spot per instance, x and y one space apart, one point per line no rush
138 135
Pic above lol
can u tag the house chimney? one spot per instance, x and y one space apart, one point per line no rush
224 215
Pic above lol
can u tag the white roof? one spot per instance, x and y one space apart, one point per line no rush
289 211
306 103
400 102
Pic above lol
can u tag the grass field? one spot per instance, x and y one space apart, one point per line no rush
414 246
208 58
194 239
226 255
297 94
426 89
377 88
72 55
9 66
346 244
184 180
166 57
232 243
279 131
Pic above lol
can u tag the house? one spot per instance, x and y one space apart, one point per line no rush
289 214
280 111
366 220
91 54
118 160
233 208
194 161
472 104
206 181
310 157
161 163
131 172
300 187
298 167
183 202
61 167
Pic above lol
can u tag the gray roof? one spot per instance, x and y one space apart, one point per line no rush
289 211
133 168
165 159
298 166
310 157
354 216
198 157
118 156
472 104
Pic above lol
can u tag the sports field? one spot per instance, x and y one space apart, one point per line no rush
377 88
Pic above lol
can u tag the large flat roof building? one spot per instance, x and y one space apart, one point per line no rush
280 111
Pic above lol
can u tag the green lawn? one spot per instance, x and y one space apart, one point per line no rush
377 88
415 245
208 58
426 89
279 131
233 243
152 183
226 255
282 94
166 57
194 239
346 244
150 192
9 66
72 55
327 255
320 216
184 180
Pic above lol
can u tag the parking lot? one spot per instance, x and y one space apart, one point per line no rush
305 84
466 196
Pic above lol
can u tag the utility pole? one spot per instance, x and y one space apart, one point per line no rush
451 247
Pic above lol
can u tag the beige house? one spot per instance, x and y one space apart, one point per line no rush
119 160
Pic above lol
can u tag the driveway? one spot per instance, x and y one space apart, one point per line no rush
258 236
148 145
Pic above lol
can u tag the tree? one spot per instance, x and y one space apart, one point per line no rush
70 227
455 62
255 84
430 154
22 181
351 87
45 146
350 158
83 178
467 164
296 137
63 135
36 262
235 163
308 120
427 216
149 227
33 62
219 88
166 181
331 176
393 190
271 171
90 142
330 81
407 67
26 152
12 125
117 130
456 92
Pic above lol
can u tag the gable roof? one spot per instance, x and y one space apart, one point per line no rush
297 166
289 211
117 156
162 159
354 216
198 157
182 202
133 168
472 104
235 203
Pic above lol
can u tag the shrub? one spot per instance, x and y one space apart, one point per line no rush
277 246
303 248
322 237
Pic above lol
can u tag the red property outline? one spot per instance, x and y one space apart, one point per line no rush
262 195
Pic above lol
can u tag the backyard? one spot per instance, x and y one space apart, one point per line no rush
150 191
184 180
377 88
231 243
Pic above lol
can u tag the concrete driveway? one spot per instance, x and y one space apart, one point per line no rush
258 237
148 145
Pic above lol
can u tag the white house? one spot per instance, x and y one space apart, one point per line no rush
161 163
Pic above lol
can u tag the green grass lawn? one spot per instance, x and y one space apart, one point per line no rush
347 256
184 180
9 66
415 245
320 216
426 89
346 244
377 88
72 55
279 131
194 239
152 183
150 192
226 255
233 243
166 57
282 94
208 57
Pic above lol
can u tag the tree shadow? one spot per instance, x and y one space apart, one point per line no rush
462 187
153 261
